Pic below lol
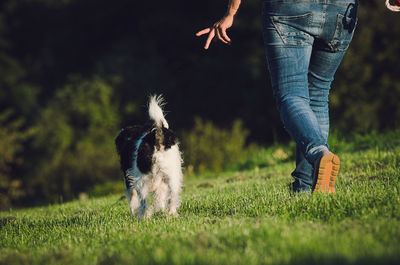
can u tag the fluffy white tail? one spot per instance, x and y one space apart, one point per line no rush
155 111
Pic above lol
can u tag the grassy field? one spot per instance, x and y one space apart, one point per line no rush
241 217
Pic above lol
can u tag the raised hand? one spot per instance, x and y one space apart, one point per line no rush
218 31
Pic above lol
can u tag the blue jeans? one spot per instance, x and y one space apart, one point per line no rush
305 41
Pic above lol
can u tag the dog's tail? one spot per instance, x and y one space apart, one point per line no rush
156 113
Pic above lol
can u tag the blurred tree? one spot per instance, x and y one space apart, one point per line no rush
11 139
15 92
208 147
367 85
74 141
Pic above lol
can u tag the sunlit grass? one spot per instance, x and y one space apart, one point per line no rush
243 217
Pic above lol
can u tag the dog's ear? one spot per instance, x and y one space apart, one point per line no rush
169 138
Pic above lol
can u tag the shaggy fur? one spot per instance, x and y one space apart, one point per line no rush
151 163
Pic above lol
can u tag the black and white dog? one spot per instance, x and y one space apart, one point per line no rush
151 162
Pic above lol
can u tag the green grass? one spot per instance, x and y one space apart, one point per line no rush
243 217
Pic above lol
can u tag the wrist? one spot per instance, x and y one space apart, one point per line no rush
231 12
233 7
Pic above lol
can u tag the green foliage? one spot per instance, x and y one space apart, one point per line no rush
362 141
107 188
75 135
367 86
15 93
261 157
207 147
246 217
12 137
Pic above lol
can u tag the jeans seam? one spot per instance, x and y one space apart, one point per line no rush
277 30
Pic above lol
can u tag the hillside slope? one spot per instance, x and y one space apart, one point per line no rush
246 217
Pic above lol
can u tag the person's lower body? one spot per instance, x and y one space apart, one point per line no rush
305 43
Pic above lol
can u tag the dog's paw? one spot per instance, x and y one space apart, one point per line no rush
173 213
148 216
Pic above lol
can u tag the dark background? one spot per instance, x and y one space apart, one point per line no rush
73 72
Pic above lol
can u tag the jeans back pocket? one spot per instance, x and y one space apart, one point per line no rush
293 29
343 34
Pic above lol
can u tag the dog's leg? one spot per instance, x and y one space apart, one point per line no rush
142 205
175 188
133 201
143 192
161 193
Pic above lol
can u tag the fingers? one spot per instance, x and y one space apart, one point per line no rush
221 34
218 34
209 39
224 36
202 32
215 31
211 33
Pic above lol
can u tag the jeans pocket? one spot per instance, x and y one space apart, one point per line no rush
293 29
343 33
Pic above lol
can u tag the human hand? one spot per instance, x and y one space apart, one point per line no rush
218 31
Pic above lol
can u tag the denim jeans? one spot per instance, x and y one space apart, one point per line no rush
305 41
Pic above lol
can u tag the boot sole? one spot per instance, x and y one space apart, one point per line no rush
327 173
